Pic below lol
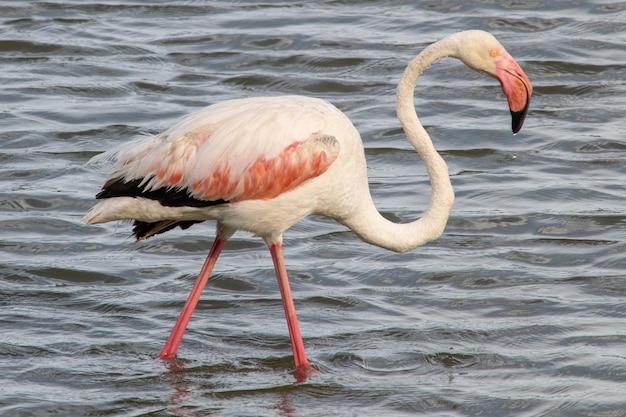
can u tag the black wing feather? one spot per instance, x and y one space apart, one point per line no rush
166 196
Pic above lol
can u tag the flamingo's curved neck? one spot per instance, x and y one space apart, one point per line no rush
367 222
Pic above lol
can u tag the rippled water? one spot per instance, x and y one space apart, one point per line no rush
518 309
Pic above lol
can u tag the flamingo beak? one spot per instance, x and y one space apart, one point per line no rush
516 86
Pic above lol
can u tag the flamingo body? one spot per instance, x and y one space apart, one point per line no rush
252 164
262 164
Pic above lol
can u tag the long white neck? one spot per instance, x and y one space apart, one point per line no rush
368 223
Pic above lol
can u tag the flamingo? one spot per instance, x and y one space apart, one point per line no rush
262 164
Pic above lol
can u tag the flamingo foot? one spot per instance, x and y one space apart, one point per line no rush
304 372
167 356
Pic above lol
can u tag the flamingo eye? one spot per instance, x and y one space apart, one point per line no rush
493 52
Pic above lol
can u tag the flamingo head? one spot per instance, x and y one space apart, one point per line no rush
482 52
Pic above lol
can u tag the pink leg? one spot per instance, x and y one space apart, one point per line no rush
303 369
171 346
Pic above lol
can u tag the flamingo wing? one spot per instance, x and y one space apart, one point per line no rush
226 153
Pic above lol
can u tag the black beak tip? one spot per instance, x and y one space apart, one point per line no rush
517 120
518 117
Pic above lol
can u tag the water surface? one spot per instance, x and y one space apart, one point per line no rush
518 309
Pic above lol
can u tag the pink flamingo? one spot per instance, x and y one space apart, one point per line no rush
262 164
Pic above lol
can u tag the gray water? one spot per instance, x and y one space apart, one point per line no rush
517 310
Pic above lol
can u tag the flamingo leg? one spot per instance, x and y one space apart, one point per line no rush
303 368
171 346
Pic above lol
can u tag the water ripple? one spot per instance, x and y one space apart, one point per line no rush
516 310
